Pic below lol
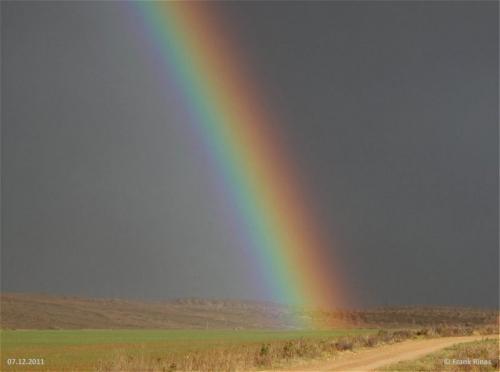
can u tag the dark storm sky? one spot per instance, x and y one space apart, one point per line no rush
390 109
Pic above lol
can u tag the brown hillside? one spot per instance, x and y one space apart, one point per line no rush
40 311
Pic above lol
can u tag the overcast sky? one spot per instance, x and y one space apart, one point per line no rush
390 109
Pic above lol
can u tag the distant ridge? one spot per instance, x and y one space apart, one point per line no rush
42 311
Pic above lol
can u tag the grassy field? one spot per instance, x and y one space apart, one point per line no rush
470 356
91 349
75 333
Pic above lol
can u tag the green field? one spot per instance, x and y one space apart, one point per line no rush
83 349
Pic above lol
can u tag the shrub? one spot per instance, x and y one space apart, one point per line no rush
263 357
402 335
344 344
371 341
422 332
288 350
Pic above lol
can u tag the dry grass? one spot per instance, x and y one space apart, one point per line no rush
412 316
243 357
471 356
83 350
273 354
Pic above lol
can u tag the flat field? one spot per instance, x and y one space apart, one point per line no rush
90 349
85 334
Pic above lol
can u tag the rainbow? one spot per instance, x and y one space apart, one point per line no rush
224 103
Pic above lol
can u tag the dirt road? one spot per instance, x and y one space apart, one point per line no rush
373 358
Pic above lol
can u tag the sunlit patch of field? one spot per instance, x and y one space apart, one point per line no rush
101 349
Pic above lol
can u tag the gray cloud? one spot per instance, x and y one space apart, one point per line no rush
390 110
